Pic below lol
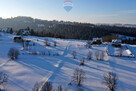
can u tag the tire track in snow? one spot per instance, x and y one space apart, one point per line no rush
59 66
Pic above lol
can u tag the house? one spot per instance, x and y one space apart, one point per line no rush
97 41
6 30
24 32
40 25
116 41
18 39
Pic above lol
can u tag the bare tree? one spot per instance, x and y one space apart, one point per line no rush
120 51
88 44
78 76
60 88
3 79
55 43
102 56
74 54
82 61
110 80
47 43
89 55
23 44
47 87
97 55
13 53
37 86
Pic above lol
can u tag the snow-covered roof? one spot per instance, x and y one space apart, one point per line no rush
5 30
40 25
95 39
116 41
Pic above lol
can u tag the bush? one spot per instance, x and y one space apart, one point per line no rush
13 53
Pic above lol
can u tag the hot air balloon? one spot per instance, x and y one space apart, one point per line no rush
68 5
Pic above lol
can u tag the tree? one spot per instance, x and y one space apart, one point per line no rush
47 87
55 43
46 42
3 79
32 32
36 86
13 53
88 44
11 31
27 28
82 61
60 88
97 55
74 54
110 80
102 56
120 51
89 55
78 76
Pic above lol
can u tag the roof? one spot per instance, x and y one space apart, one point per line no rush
116 41
95 39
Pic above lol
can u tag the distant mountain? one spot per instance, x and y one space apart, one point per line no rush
22 22
66 29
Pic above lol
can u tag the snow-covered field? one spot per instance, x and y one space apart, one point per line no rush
28 69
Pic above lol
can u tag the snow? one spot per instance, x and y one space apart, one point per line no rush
29 69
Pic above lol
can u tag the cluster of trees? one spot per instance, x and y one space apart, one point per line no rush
98 56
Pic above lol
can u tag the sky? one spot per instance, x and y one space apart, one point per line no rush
90 11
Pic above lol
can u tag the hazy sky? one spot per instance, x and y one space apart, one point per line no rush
93 11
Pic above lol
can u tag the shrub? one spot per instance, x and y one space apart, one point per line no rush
13 53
